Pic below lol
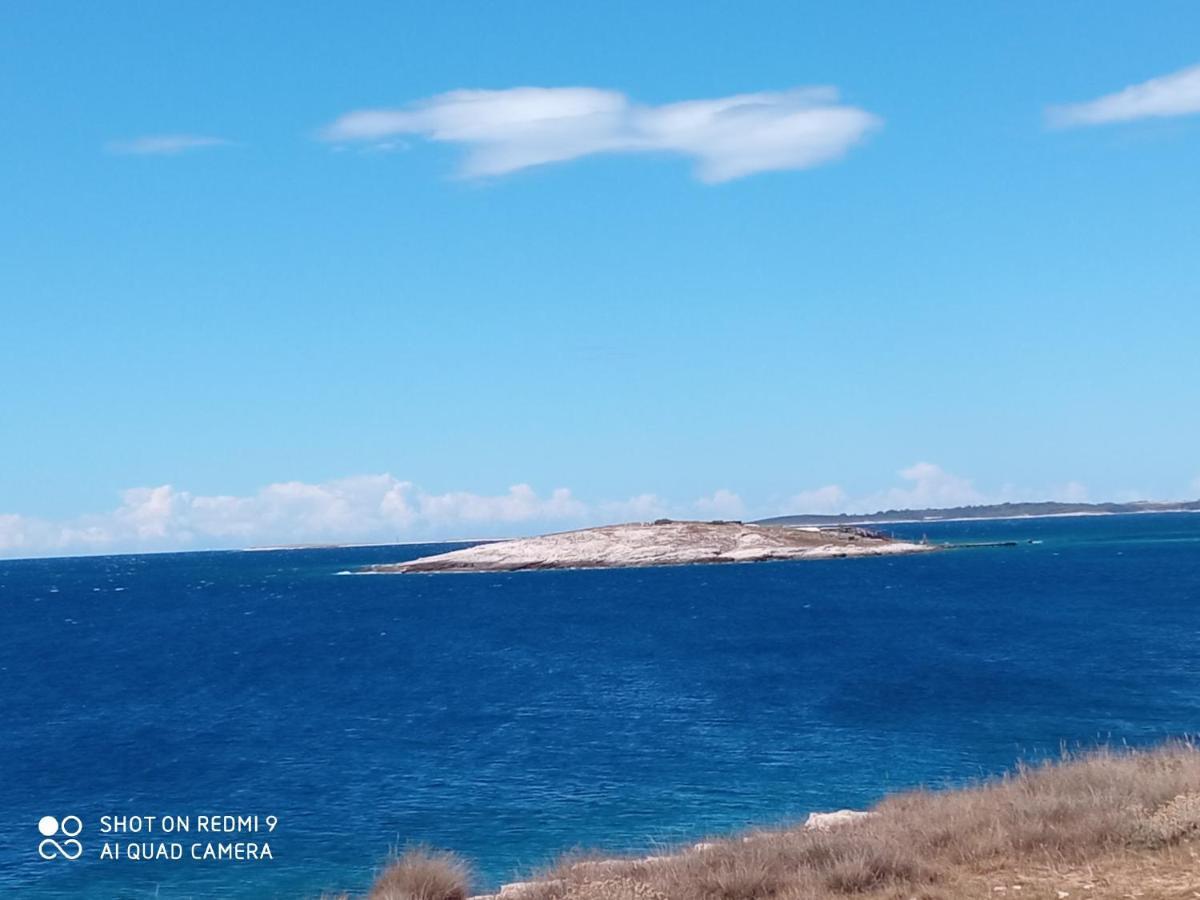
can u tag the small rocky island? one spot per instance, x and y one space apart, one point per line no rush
661 543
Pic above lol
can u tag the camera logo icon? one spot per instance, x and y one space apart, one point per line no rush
69 828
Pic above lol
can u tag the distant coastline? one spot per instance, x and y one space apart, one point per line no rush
1047 509
996 512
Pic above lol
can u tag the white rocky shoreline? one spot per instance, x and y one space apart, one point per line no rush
601 867
661 543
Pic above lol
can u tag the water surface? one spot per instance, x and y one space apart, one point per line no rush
513 716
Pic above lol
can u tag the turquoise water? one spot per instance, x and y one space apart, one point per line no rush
511 717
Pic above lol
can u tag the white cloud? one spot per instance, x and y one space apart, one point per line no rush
362 508
828 500
381 508
164 144
928 485
728 137
520 504
642 508
21 535
1069 492
722 504
1177 94
925 486
358 509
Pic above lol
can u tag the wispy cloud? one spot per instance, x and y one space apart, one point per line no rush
1177 94
642 508
164 144
727 137
922 485
721 504
823 501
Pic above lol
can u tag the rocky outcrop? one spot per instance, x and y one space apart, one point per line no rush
826 821
662 543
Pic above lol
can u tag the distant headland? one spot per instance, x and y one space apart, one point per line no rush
662 543
987 511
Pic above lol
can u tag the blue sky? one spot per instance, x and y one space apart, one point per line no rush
238 310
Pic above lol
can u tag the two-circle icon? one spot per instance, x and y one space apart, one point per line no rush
50 828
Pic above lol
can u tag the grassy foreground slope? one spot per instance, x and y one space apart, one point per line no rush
1109 824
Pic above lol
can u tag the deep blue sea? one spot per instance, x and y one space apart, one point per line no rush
511 717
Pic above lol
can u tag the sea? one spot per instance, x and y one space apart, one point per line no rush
515 717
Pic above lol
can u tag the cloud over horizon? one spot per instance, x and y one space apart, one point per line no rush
1176 94
164 144
358 509
365 508
727 137
385 509
925 486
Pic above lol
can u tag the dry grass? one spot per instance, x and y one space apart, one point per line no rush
422 874
1105 824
